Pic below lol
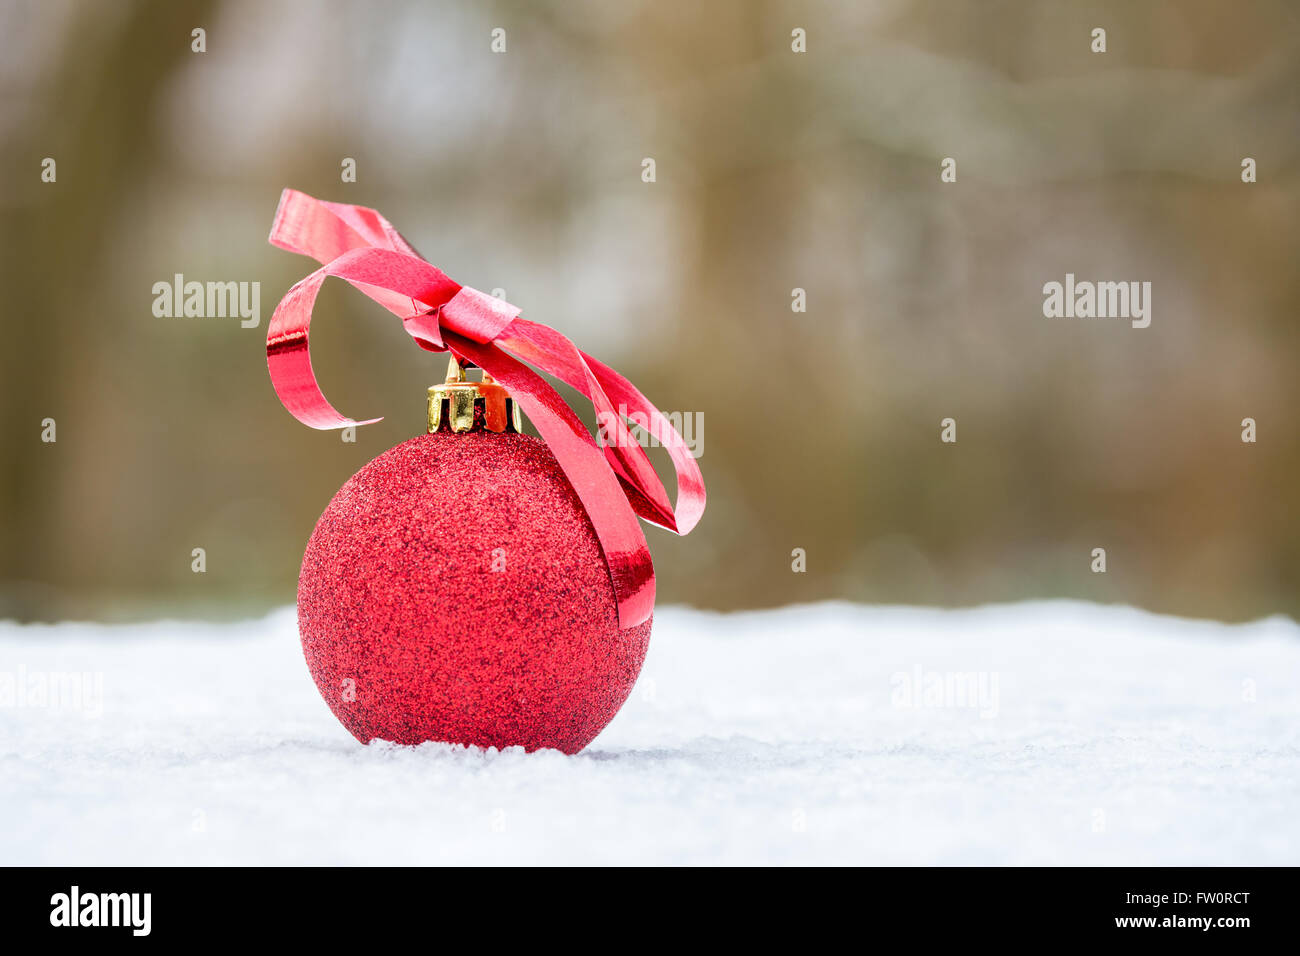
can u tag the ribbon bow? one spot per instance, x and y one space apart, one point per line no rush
615 483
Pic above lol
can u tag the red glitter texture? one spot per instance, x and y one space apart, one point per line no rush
412 636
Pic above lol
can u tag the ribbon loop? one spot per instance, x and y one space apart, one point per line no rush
615 483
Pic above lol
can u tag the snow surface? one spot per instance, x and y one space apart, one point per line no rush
1104 735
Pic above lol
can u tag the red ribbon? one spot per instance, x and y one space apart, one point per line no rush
615 484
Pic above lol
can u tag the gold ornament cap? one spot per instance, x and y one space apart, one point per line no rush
453 402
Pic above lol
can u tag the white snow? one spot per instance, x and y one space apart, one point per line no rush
1104 735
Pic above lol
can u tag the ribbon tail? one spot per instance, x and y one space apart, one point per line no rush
627 555
554 353
691 496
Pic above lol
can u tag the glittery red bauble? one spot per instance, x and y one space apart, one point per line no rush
454 590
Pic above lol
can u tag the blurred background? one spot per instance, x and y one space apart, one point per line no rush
774 171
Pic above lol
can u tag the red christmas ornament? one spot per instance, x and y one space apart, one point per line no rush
474 585
454 589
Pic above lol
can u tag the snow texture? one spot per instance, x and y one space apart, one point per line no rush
820 734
